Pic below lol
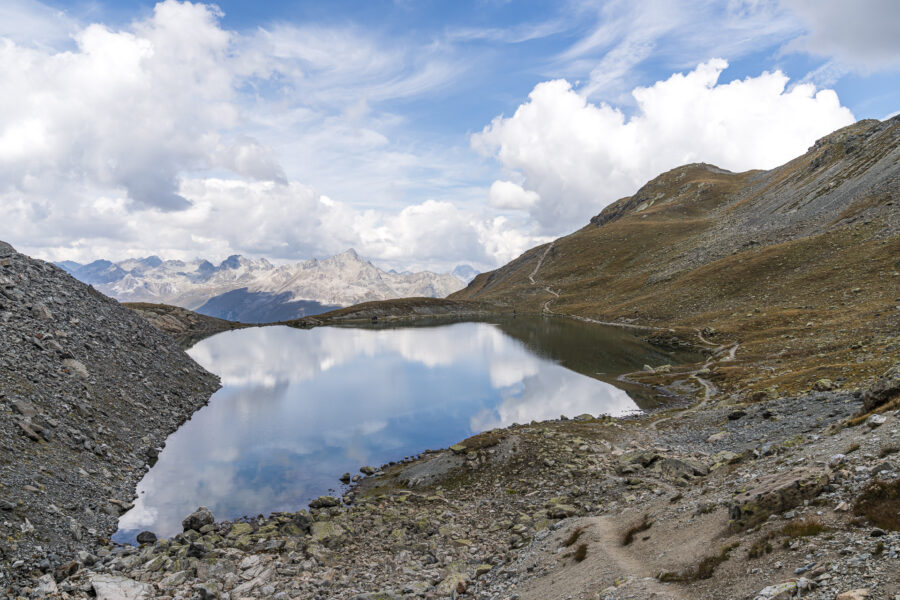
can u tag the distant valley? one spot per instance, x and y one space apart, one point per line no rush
257 291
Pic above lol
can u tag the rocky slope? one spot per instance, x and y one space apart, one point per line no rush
88 393
799 265
255 290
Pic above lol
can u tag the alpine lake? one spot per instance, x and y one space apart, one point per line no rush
298 408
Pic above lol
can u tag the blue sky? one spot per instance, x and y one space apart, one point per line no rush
423 133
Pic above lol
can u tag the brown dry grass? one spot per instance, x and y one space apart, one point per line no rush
763 297
573 537
880 504
803 528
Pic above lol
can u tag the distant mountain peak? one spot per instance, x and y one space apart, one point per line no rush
343 279
465 273
232 262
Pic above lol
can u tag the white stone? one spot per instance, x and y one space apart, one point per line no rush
876 420
46 586
115 587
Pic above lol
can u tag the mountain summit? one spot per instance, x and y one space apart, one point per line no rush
255 290
813 244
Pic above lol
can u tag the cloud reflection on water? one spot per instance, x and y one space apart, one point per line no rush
300 407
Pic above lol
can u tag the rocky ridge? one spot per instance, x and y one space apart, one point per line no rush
187 327
88 393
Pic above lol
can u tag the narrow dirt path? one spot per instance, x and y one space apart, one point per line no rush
540 262
607 562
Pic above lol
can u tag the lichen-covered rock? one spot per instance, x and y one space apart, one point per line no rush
775 494
116 587
779 591
327 533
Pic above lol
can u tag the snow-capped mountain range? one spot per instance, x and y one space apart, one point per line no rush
255 290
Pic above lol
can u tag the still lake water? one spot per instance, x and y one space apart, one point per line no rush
300 407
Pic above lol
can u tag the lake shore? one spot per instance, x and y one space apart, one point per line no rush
723 499
542 510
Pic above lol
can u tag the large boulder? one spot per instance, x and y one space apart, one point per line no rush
327 533
775 494
631 462
883 390
324 502
680 469
197 519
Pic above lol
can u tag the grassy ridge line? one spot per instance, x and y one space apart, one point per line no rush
798 264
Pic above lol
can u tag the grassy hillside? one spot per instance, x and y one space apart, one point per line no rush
800 264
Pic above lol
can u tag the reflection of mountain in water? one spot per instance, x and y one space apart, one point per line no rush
245 306
300 407
598 351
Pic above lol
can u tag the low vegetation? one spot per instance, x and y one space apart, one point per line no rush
880 504
580 552
573 537
803 528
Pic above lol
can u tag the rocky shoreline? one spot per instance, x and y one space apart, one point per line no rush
89 391
756 501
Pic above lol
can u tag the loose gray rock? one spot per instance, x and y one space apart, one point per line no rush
197 519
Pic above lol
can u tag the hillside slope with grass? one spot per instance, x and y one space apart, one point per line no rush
799 265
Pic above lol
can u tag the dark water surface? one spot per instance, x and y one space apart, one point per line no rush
300 407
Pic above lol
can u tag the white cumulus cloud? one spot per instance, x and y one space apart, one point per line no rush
509 195
125 110
578 156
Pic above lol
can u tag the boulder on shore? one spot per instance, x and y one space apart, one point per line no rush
197 519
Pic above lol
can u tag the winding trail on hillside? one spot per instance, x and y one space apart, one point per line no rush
540 262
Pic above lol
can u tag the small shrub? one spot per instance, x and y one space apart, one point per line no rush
880 504
580 552
644 525
760 547
804 528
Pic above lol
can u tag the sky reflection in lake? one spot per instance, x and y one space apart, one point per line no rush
300 407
